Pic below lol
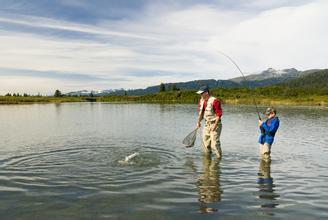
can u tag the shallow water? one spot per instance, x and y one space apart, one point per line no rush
61 161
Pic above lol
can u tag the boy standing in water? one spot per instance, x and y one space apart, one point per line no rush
268 129
210 108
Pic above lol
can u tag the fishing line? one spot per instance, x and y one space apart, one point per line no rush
189 140
233 62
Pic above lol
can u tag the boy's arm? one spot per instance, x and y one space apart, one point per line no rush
272 128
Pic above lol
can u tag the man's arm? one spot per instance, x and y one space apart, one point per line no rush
200 118
200 115
218 112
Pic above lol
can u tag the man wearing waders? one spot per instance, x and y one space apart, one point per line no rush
210 109
268 129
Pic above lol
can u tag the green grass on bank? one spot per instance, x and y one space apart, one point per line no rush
265 95
37 99
273 95
309 89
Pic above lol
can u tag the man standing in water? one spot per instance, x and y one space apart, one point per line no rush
268 129
210 108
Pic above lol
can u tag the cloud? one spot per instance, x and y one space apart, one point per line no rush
47 74
283 37
26 51
15 80
143 73
159 42
271 4
46 23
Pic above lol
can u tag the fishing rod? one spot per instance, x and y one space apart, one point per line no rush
257 110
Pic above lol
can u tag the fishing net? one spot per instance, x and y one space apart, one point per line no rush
190 139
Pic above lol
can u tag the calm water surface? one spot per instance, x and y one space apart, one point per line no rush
60 161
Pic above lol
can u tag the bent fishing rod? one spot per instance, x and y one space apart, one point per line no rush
233 62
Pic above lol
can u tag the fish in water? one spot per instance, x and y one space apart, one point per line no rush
129 157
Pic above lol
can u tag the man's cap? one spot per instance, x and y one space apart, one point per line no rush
269 110
202 89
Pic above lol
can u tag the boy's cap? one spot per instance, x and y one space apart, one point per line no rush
269 110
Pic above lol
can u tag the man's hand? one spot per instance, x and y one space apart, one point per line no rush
198 125
214 127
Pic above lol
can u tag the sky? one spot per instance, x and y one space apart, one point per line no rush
72 45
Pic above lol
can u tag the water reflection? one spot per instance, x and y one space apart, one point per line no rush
58 108
209 184
266 194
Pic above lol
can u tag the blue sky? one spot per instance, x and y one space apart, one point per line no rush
107 44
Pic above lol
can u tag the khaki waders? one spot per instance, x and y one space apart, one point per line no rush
211 139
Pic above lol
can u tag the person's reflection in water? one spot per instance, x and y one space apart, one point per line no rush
266 195
209 184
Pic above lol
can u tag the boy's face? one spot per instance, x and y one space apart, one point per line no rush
271 115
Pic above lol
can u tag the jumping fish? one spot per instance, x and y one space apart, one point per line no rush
129 157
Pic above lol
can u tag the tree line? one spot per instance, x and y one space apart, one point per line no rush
169 87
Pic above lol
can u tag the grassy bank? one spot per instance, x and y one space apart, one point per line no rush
37 99
308 101
264 96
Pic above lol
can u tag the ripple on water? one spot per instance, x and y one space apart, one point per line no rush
87 167
72 171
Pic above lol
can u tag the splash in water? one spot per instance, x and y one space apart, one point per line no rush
128 158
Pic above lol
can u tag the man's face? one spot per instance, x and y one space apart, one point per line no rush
204 95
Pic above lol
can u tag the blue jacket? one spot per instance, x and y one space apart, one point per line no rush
268 130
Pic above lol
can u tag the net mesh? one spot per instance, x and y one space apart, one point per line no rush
190 139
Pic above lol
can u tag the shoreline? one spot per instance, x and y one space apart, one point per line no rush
318 101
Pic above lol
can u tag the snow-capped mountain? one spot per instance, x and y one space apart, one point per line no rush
83 93
267 77
92 92
269 74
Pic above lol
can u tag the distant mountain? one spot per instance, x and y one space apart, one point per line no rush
191 85
84 93
310 80
265 78
270 77
269 74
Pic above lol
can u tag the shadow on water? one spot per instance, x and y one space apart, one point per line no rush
266 189
209 184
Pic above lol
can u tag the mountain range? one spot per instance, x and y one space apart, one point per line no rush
265 78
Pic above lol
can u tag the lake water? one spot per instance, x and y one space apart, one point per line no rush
61 161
